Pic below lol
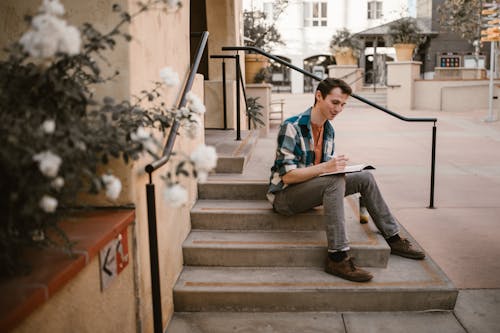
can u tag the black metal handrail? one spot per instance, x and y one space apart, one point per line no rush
150 190
306 73
362 99
239 82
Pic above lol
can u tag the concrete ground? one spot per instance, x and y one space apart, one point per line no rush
461 234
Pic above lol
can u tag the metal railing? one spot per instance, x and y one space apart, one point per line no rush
150 190
362 99
239 83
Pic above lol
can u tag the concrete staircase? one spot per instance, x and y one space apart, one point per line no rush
233 154
379 97
242 257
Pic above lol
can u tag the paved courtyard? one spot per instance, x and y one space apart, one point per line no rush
462 233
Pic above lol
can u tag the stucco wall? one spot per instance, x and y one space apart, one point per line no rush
159 39
81 306
224 22
453 95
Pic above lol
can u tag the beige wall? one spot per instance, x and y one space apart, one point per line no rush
214 101
401 76
81 306
405 91
159 40
453 95
224 24
224 20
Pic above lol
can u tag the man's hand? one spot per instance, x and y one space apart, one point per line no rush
337 163
302 174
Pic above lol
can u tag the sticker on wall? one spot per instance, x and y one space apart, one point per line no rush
113 258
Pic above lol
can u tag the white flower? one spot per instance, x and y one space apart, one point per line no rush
71 41
183 112
48 204
195 104
57 183
175 195
49 35
81 145
140 134
113 186
204 159
37 235
170 77
49 126
48 163
53 7
144 137
202 176
192 126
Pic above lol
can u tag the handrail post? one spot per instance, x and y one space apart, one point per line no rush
153 258
244 95
433 164
238 111
224 92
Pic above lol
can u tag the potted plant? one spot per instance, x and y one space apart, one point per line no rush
405 36
259 32
345 47
254 112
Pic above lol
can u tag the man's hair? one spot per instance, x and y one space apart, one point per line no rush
326 86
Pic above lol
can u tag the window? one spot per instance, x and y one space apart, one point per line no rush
374 10
315 14
268 10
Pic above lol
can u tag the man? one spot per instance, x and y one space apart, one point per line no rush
305 150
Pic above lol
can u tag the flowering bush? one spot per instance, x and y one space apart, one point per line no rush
55 134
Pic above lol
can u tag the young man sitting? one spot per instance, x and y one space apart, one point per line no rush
305 150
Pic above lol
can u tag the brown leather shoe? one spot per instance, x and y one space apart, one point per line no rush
347 270
404 248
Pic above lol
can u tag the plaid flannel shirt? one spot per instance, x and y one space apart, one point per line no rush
296 149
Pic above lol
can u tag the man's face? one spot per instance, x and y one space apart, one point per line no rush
332 104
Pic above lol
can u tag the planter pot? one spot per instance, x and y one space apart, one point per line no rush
345 58
253 64
404 52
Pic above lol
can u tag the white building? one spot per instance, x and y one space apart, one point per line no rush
306 26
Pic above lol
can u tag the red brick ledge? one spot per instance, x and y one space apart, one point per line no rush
52 268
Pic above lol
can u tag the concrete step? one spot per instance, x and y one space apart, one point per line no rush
405 285
209 214
250 233
315 322
256 322
232 154
233 189
379 97
276 249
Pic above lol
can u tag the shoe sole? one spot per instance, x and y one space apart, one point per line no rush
409 256
350 278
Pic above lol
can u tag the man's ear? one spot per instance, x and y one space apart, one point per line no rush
317 95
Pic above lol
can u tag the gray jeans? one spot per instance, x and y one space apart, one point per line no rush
329 191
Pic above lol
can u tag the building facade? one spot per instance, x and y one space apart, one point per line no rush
306 27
